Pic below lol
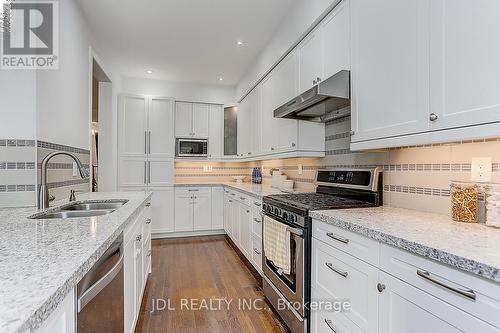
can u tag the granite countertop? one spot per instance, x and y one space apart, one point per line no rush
256 190
474 248
41 261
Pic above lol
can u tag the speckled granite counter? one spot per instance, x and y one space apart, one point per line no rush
474 248
255 190
42 260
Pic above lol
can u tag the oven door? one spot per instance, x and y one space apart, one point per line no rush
191 148
292 286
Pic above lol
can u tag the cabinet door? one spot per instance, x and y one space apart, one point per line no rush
129 286
62 320
162 210
311 62
200 120
161 172
465 68
138 270
404 308
202 204
216 132
217 208
235 219
228 214
254 117
183 211
245 235
243 127
336 40
183 120
390 68
161 140
132 171
132 126
268 132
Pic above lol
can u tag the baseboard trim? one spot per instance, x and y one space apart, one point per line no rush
161 235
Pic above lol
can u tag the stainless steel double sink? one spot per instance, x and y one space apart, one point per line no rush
81 209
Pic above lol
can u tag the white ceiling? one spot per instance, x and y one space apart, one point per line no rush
185 40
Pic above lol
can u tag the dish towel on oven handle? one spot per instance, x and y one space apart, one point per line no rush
277 244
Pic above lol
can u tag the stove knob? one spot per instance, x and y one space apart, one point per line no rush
292 218
285 216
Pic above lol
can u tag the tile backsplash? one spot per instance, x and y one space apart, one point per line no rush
20 164
414 177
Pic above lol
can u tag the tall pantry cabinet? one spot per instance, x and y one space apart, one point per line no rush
146 153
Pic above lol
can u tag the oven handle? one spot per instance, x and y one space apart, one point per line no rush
295 231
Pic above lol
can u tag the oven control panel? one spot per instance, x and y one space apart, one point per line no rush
283 214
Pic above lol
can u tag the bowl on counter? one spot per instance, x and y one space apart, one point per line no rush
239 179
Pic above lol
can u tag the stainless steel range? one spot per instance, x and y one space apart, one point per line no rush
290 294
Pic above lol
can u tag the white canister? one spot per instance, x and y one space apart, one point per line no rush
287 185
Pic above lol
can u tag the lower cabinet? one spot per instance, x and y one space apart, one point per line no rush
136 265
217 208
197 209
162 210
63 319
397 294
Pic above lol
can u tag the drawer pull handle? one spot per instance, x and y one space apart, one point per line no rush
339 272
256 251
148 204
257 204
148 221
193 190
242 198
257 220
330 325
233 194
469 293
149 253
337 238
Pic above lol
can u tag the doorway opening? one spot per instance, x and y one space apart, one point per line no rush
100 82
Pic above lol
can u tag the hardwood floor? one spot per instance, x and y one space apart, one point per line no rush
189 273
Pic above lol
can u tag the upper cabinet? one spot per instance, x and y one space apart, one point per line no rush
424 71
191 120
161 126
326 50
216 132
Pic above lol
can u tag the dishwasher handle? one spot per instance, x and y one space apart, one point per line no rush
97 287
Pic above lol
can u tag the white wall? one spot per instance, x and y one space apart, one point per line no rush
63 94
180 90
17 104
297 21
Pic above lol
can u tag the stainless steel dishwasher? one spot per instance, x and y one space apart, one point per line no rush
100 293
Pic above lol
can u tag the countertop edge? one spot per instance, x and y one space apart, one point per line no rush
233 187
37 318
464 264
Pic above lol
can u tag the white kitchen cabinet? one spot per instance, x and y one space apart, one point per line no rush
235 219
311 60
228 217
162 210
183 119
464 68
216 132
390 68
404 308
133 125
200 120
129 285
160 172
202 209
161 142
245 232
336 35
268 130
191 120
63 319
218 213
254 125
183 211
244 131
132 171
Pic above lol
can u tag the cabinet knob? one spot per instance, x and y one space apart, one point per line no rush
314 82
433 117
318 79
148 204
138 238
380 287
293 144
352 133
148 221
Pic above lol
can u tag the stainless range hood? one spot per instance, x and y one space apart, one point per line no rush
328 100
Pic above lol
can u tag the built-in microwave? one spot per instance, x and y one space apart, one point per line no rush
191 148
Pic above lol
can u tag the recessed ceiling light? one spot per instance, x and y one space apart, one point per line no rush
239 42
221 79
149 71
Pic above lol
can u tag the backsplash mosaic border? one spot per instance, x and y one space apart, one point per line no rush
56 146
17 143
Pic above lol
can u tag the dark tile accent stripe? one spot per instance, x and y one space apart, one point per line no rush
338 152
214 168
68 183
210 175
61 166
17 188
338 136
17 165
17 143
455 167
437 192
55 146
338 120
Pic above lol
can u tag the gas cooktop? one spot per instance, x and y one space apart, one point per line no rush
317 201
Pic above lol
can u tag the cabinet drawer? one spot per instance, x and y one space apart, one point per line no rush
338 276
327 321
257 252
244 199
257 223
256 204
356 245
184 191
450 285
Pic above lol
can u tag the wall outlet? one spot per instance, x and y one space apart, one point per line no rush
299 169
481 169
